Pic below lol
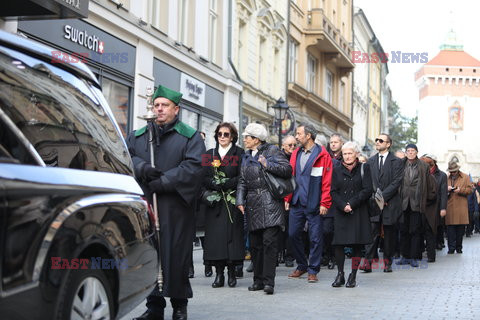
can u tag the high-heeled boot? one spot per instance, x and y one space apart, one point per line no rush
232 279
219 280
339 280
351 282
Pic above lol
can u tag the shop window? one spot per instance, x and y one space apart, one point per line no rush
117 97
190 118
209 126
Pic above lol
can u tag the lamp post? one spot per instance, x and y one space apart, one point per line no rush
280 108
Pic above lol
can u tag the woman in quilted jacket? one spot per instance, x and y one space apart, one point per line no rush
264 213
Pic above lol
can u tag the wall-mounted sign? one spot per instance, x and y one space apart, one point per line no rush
81 37
45 9
192 89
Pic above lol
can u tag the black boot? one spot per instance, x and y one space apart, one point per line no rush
232 280
351 282
179 313
208 271
339 280
191 272
239 271
219 281
150 315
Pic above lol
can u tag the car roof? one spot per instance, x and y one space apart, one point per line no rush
45 53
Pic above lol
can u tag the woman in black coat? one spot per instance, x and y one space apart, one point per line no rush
265 214
351 189
224 244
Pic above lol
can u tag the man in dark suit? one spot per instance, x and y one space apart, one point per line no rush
387 175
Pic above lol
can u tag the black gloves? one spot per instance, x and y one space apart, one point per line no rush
149 173
156 185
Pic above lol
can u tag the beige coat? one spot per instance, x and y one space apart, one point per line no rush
457 206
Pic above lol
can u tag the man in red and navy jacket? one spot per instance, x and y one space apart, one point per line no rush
312 168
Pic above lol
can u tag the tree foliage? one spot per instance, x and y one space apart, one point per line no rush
403 129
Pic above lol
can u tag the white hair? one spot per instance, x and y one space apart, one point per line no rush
351 145
321 140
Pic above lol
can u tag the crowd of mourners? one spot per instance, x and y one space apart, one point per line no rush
309 201
344 205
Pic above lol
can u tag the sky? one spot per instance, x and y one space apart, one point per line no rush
419 26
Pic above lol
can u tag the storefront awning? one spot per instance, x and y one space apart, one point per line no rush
44 9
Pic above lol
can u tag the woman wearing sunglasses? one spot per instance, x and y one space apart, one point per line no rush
224 241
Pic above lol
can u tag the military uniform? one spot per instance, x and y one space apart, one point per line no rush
178 149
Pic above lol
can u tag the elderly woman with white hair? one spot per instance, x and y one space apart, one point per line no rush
265 214
351 189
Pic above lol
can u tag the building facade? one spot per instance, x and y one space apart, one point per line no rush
259 56
449 97
134 44
371 94
320 64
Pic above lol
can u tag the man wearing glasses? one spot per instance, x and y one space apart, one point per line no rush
387 175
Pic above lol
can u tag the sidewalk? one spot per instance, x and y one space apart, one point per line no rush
446 289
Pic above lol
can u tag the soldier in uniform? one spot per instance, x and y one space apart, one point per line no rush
176 180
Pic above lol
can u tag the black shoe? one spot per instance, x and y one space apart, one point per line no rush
256 287
239 271
339 280
149 315
268 289
179 313
351 282
232 281
250 267
439 246
431 260
459 251
191 272
451 251
388 268
219 281
208 271
331 264
468 235
289 263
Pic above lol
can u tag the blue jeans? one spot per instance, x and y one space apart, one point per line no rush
298 217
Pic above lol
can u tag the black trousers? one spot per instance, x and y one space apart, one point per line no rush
441 232
411 235
264 250
284 243
455 236
328 229
430 238
156 302
389 242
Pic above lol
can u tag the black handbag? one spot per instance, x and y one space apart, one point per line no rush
279 187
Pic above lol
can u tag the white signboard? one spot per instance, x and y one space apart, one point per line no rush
192 89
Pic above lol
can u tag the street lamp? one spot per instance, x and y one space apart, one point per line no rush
280 108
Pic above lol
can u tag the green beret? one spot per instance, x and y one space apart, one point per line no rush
170 94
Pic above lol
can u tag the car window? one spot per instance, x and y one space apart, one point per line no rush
60 115
12 150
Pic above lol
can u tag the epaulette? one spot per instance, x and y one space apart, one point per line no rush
140 131
184 129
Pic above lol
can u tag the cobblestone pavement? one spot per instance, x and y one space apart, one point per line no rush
446 289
